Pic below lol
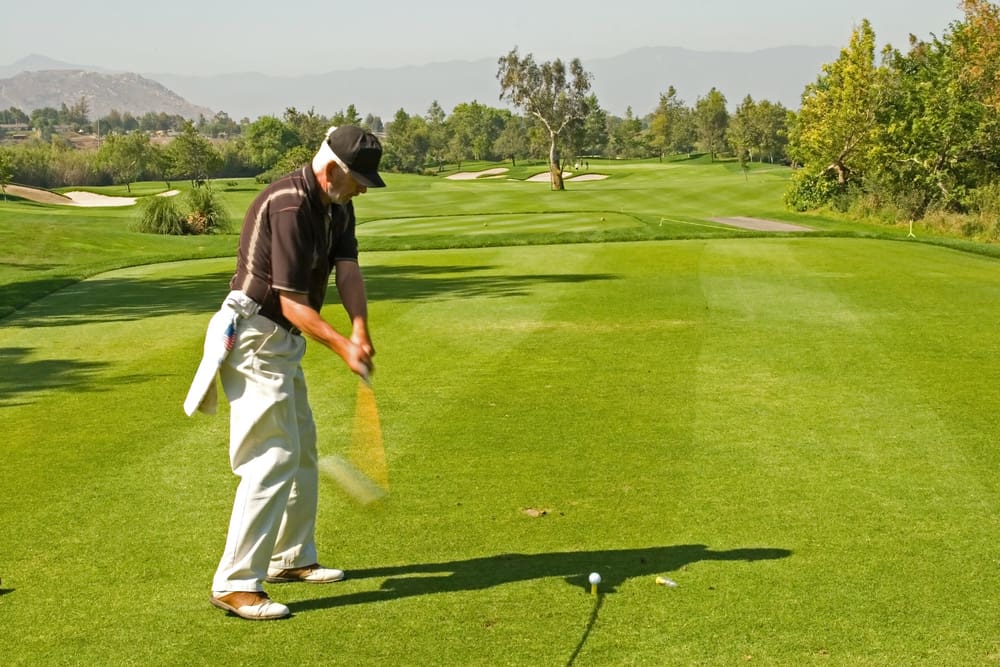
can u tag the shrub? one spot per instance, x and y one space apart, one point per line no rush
202 212
809 191
206 212
159 215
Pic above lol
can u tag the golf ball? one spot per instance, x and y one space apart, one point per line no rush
595 578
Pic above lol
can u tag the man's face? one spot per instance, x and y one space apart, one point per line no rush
341 187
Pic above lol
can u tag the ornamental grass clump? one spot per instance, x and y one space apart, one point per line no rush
202 212
159 215
206 212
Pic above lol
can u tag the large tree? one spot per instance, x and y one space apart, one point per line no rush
626 137
665 122
480 124
593 137
771 120
437 133
192 156
513 140
406 143
744 132
126 156
266 139
711 119
838 122
550 93
940 133
978 46
348 116
309 127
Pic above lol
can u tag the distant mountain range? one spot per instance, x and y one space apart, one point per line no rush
30 90
633 79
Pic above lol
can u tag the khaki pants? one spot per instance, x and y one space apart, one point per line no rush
272 449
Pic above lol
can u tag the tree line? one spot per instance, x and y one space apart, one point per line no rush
913 134
217 148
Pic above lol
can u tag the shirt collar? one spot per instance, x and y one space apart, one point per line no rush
315 194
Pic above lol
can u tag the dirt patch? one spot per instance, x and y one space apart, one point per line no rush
760 225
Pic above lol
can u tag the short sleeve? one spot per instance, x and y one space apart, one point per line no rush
346 244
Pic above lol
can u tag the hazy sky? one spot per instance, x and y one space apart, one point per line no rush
314 36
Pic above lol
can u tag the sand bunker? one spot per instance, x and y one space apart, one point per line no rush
92 199
471 175
37 195
588 177
75 198
545 177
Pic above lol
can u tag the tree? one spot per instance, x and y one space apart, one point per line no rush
593 131
126 156
14 116
979 49
6 170
221 125
548 93
162 163
743 133
663 123
265 140
310 128
75 115
192 155
939 134
771 119
513 140
437 133
838 121
406 142
480 124
45 120
711 120
373 124
627 136
349 116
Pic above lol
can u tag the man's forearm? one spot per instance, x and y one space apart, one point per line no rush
351 286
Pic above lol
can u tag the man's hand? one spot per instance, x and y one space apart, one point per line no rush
356 352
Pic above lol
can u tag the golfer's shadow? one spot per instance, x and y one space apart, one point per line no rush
478 573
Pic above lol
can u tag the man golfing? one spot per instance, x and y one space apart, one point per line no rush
298 231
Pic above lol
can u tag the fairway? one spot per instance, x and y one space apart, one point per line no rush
801 432
553 223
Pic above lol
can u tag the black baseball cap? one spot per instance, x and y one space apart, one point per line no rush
361 151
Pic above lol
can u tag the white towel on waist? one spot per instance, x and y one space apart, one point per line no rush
220 337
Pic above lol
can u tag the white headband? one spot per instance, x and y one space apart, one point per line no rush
326 155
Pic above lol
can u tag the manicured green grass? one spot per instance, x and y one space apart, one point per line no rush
803 440
47 247
800 431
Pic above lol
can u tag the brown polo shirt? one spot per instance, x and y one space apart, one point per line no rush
290 241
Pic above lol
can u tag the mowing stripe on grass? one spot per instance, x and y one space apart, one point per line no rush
799 431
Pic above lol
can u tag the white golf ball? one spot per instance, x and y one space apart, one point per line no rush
595 578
